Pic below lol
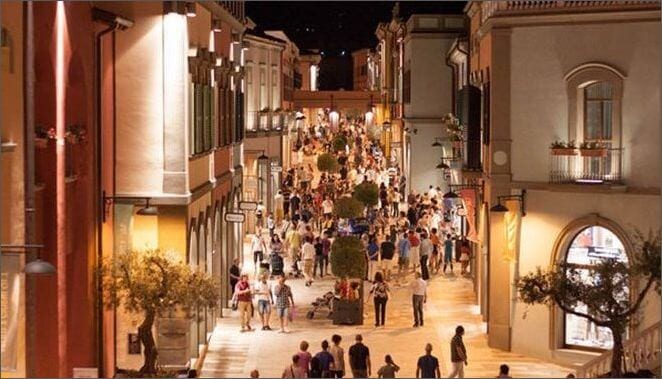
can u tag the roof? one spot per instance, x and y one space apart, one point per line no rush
261 34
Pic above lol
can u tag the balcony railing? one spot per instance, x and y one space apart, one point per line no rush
592 166
266 121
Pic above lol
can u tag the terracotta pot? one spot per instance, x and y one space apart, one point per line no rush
564 151
593 152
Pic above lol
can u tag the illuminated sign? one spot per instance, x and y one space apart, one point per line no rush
235 217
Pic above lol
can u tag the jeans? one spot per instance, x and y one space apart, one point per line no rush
417 301
425 274
457 370
380 310
319 262
395 209
258 256
360 373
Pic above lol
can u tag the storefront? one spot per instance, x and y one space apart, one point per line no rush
263 167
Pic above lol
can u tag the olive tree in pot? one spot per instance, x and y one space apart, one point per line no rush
348 263
603 288
367 193
155 284
327 163
339 143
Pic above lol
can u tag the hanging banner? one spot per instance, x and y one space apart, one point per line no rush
468 196
511 223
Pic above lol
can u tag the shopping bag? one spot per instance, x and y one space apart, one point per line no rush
291 314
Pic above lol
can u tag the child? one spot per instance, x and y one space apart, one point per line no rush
389 369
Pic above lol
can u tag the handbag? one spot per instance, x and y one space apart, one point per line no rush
291 314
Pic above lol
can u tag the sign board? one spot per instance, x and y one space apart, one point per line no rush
235 217
86 372
247 205
276 168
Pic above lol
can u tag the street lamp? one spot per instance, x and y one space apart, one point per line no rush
36 267
500 208
146 210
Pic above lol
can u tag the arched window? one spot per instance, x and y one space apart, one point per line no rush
588 247
598 112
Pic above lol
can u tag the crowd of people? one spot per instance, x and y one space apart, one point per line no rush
407 238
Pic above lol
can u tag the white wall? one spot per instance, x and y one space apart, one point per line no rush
540 58
547 214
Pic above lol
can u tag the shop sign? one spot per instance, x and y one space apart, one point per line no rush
86 372
247 205
235 217
276 169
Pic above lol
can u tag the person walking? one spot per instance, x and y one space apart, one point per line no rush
389 369
426 253
359 359
418 289
304 357
338 356
387 249
428 365
414 252
380 292
504 371
327 364
264 301
294 371
308 257
319 257
258 247
235 274
403 253
244 302
284 301
373 256
458 354
448 252
434 262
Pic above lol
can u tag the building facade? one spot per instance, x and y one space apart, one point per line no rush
543 79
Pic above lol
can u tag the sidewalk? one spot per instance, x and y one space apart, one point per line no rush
451 302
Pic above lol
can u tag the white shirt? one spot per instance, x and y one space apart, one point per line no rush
418 287
308 251
262 290
257 244
327 206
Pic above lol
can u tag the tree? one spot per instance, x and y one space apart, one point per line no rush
339 143
154 283
367 193
348 207
327 163
604 289
347 257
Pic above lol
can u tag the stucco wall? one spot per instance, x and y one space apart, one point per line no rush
541 56
547 214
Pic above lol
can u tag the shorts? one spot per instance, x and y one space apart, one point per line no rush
386 264
283 312
403 261
263 306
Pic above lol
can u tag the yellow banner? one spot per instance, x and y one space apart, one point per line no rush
511 224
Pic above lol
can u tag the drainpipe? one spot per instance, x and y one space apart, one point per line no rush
114 23
29 187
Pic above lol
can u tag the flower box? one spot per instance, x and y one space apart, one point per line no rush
593 152
564 151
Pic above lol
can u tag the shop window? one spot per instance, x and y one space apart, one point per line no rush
589 247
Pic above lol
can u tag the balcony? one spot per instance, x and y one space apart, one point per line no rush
586 167
262 122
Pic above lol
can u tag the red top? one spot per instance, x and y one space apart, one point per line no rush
241 286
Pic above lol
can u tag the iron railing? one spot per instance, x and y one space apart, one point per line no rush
582 166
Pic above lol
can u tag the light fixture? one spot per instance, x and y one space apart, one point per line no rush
500 208
443 166
216 25
436 142
262 157
190 9
451 195
146 210
38 266
174 7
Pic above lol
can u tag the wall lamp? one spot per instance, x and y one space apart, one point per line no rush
443 165
216 25
36 267
190 9
147 210
436 143
502 208
451 194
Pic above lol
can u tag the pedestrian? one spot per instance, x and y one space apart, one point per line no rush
308 256
403 253
294 371
327 363
271 224
264 301
428 365
434 238
414 252
254 374
458 354
284 301
258 247
259 213
304 357
504 372
380 293
418 289
426 252
244 302
338 356
387 249
315 368
319 257
359 359
448 252
465 254
389 369
373 256
235 274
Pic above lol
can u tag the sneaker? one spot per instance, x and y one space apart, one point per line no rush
264 328
415 325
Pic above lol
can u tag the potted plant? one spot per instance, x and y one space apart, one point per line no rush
327 163
563 148
42 136
592 149
264 110
348 262
602 290
339 143
454 129
367 193
75 134
159 286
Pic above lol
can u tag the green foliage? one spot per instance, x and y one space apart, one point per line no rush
347 207
339 143
327 163
604 288
367 193
347 257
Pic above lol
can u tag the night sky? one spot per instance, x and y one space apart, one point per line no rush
336 28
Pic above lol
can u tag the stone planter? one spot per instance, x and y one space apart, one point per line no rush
564 151
593 152
347 312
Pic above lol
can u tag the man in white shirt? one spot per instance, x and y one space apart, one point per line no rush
418 289
432 192
308 256
264 300
258 247
279 205
327 206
